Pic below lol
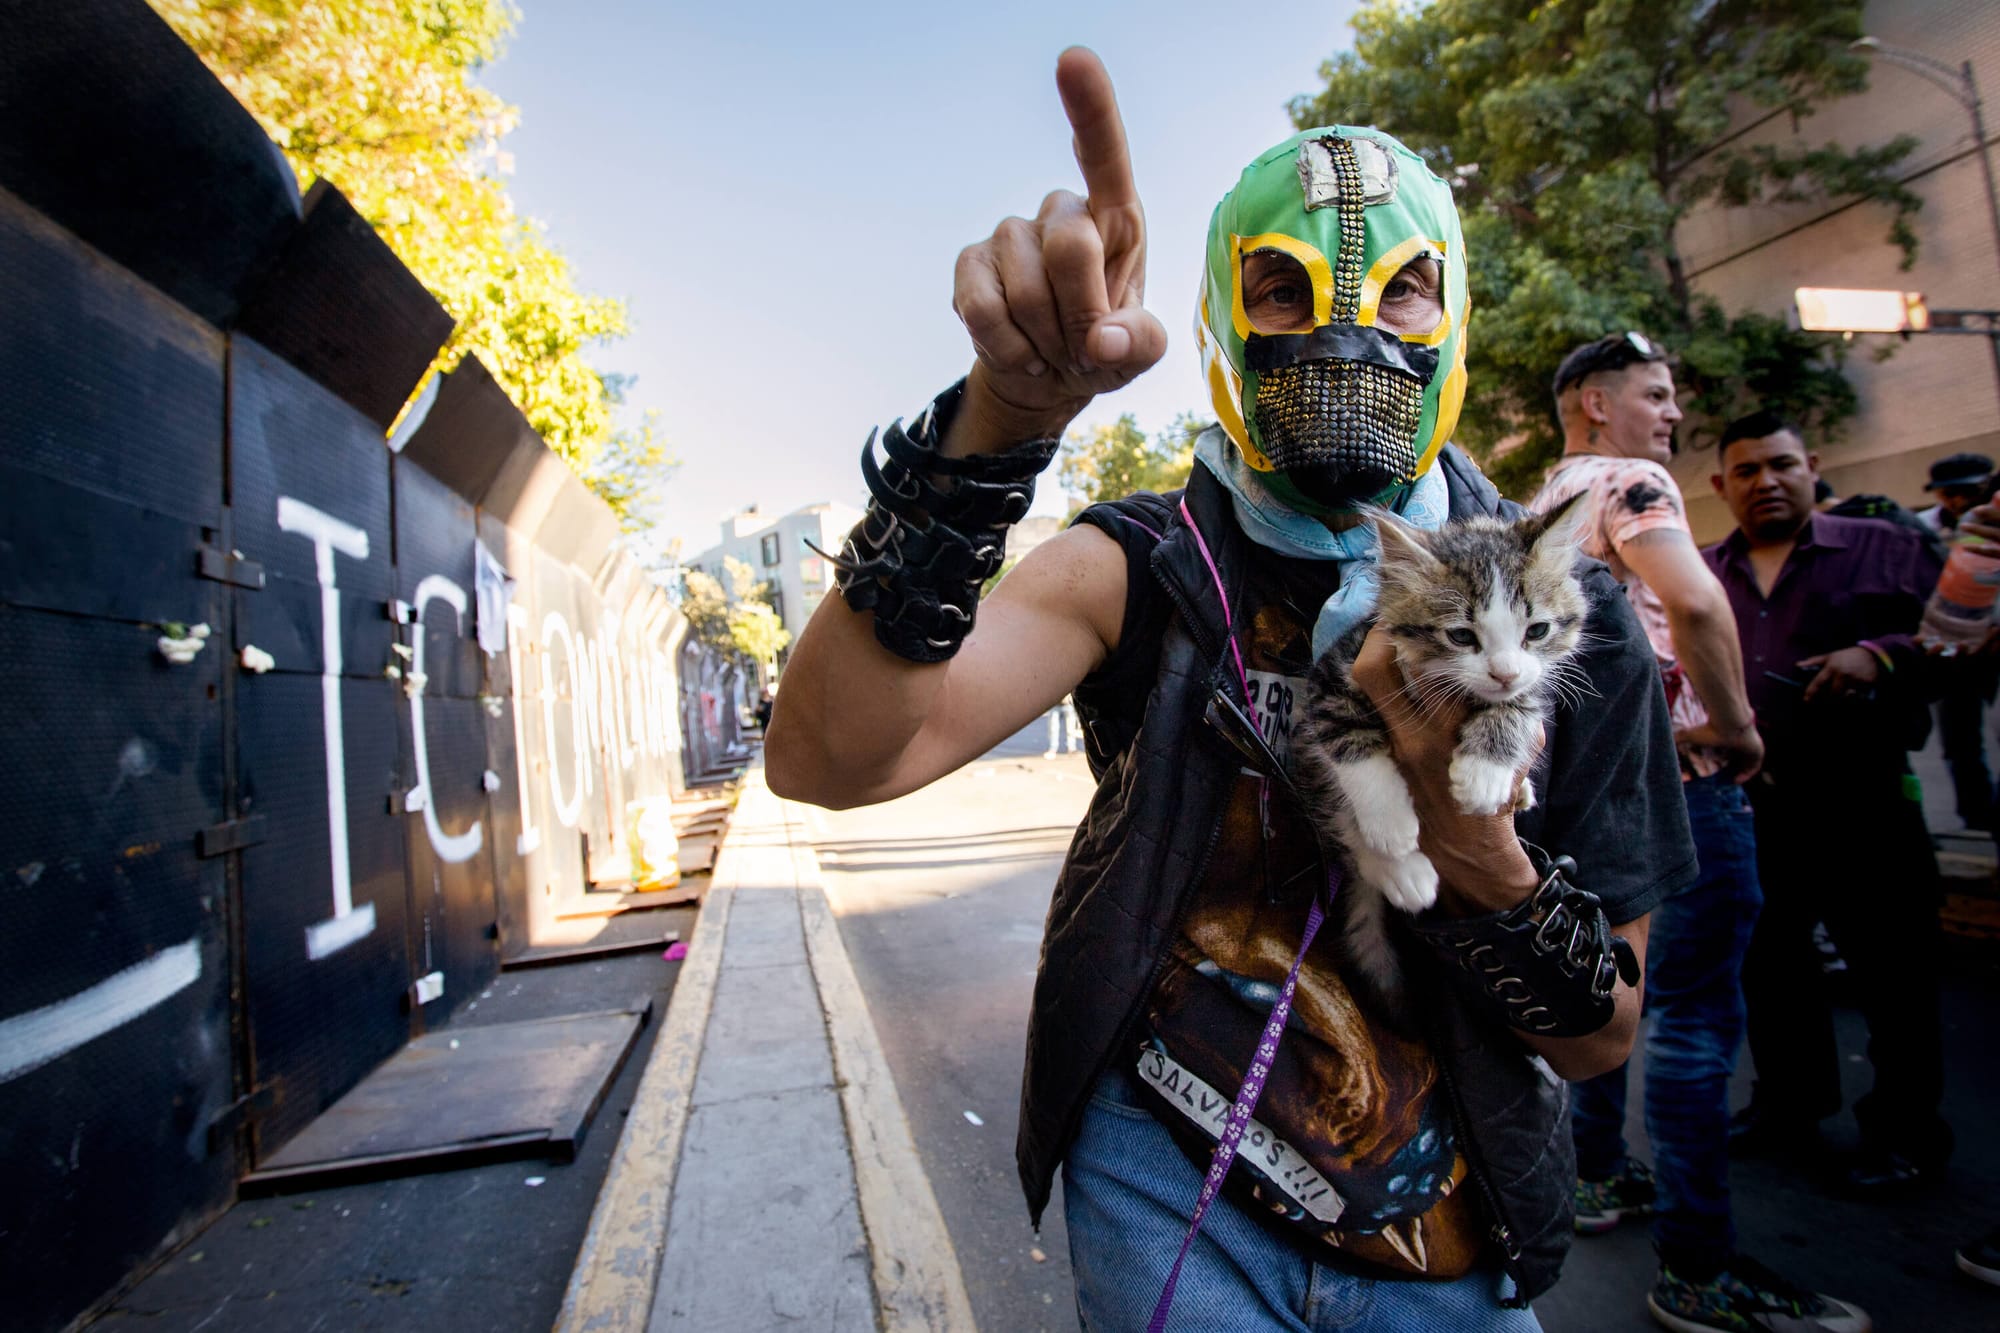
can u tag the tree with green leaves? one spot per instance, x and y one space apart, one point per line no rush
706 607
1110 462
740 621
757 633
381 97
628 469
1578 135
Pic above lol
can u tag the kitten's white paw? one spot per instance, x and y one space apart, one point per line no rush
1524 796
1409 882
1378 803
1480 786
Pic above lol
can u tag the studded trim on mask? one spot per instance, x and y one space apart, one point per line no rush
1358 419
1350 198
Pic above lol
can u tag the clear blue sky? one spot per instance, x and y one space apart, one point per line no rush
779 192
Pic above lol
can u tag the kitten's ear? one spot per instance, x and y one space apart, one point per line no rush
1402 545
1560 530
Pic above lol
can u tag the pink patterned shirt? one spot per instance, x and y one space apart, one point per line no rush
1629 496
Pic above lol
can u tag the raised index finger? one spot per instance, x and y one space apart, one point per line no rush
1097 131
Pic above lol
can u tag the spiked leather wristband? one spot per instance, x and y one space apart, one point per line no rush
1548 963
920 554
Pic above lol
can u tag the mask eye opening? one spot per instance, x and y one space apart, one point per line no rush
1277 292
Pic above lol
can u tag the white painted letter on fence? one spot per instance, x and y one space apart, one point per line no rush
450 847
530 837
570 807
328 535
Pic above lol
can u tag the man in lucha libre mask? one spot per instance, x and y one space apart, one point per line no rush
1417 1165
1326 406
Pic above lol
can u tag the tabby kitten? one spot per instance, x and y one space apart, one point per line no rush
1483 611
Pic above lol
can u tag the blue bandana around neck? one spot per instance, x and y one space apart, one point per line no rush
1278 527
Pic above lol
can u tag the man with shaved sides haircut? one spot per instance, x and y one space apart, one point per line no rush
1614 399
1247 1141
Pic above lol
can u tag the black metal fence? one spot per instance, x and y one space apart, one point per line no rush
305 727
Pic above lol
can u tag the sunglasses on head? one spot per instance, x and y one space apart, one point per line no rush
1615 352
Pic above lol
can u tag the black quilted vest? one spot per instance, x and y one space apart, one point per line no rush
1141 849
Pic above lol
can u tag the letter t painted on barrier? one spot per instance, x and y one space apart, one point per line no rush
328 535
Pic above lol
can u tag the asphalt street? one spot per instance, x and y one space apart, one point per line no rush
941 898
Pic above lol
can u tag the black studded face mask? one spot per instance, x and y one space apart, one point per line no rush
1338 409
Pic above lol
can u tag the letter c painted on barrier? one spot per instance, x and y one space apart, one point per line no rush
450 847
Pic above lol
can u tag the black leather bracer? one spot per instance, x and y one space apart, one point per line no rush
1547 965
919 556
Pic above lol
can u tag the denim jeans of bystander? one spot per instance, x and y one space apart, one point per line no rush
1694 998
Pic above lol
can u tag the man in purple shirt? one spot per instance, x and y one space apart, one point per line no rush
1826 608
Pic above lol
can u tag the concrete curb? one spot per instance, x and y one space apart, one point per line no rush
913 1268
618 1266
918 1284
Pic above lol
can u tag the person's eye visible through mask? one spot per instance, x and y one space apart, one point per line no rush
1412 302
1277 293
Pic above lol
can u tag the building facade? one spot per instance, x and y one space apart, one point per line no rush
775 550
1935 394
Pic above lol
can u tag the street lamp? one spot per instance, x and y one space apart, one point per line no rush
1963 89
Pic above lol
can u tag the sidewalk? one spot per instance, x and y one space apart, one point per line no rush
472 1249
767 1175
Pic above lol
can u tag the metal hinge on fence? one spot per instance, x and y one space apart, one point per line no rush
224 1125
228 567
230 835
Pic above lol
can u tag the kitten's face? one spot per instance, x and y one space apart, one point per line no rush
1482 607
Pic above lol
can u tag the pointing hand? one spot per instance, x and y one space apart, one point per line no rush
1053 303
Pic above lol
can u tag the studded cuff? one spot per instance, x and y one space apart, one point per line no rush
919 556
1549 963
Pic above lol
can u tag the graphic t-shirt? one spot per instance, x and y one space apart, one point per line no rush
1629 496
1352 1141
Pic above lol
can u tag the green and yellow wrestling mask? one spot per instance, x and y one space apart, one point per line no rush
1332 411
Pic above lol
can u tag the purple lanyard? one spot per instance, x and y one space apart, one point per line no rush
1267 1045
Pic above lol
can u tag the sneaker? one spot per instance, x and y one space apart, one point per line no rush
1747 1297
1980 1260
1881 1173
1830 961
1627 1192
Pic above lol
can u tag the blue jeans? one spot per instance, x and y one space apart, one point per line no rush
1127 1193
1694 992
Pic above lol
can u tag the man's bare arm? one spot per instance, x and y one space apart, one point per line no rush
855 724
1705 641
1053 308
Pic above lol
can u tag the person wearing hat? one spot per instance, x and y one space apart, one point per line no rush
1965 685
1614 399
1959 481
